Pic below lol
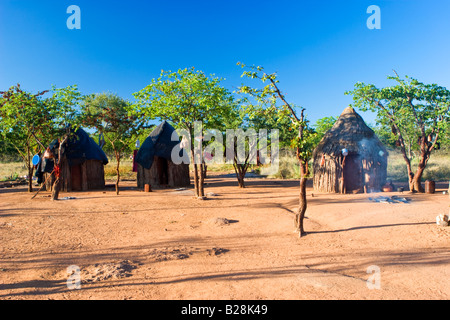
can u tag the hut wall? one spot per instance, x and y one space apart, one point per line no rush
327 175
88 176
147 176
329 178
94 171
177 175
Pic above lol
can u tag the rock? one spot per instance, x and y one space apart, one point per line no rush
220 221
442 220
217 251
211 194
106 271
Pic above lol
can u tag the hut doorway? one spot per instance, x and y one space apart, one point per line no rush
76 177
162 168
353 174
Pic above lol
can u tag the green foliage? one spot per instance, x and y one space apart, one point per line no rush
7 151
292 127
184 97
25 118
306 143
108 114
270 117
323 125
65 106
411 109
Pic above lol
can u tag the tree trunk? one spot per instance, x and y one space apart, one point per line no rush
299 217
241 180
59 173
196 182
409 169
241 170
204 171
201 192
240 174
30 178
415 183
59 177
118 172
55 189
30 171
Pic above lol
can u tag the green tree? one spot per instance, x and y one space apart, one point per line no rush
445 141
417 113
108 113
245 139
324 124
64 105
306 138
30 122
184 98
24 123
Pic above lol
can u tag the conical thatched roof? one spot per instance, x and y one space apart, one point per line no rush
350 132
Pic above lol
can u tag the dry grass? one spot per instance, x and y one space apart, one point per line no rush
125 169
12 170
438 167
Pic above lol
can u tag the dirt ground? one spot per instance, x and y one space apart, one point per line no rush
238 244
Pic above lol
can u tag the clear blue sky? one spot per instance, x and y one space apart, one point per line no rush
320 49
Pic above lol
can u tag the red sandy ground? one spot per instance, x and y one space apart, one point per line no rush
171 246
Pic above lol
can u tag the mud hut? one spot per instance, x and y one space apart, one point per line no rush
82 165
154 164
350 158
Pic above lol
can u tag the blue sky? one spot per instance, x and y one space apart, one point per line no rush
320 49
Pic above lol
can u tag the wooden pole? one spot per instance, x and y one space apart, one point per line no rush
45 182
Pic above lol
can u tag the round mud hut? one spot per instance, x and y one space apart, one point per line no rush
350 158
154 164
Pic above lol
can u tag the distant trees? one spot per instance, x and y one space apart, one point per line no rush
108 114
416 113
254 139
324 124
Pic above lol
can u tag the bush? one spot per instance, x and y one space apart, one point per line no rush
289 167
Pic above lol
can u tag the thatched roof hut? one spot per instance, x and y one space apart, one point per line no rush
82 166
350 158
155 166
